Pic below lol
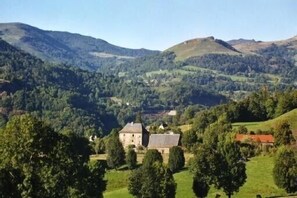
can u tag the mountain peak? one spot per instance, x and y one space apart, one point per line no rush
202 46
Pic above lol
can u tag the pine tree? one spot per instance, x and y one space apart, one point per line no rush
115 152
200 187
176 159
131 159
152 156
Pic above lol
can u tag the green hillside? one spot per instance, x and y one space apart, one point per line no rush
267 125
202 46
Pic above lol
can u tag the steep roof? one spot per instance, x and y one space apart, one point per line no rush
163 140
255 138
132 128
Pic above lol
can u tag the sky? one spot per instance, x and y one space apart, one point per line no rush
158 24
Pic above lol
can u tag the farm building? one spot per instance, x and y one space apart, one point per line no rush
134 134
264 140
163 142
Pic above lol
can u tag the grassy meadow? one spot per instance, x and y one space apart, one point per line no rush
259 170
290 116
259 181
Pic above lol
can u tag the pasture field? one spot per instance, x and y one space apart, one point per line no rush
259 181
290 116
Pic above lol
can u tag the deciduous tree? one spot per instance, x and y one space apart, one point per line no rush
283 133
154 180
233 174
38 162
285 169
189 139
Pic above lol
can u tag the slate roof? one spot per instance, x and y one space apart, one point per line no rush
255 138
132 128
163 140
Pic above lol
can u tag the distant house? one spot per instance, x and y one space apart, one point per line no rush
172 113
134 134
163 126
163 142
267 140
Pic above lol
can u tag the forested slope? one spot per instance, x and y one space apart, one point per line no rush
82 101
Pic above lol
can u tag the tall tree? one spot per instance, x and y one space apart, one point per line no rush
152 156
153 180
283 133
207 165
200 187
135 182
223 167
285 169
131 159
176 159
99 146
233 174
38 162
115 152
189 139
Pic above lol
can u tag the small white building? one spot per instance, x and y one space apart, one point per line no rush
172 113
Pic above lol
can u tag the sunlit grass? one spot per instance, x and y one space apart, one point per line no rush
259 181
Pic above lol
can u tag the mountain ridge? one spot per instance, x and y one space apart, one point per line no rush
256 46
71 48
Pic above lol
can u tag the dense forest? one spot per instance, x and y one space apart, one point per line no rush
85 102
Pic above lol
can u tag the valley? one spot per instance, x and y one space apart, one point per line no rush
65 97
199 72
148 99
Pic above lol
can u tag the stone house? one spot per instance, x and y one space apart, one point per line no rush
163 142
134 134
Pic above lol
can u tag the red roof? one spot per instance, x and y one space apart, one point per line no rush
255 138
